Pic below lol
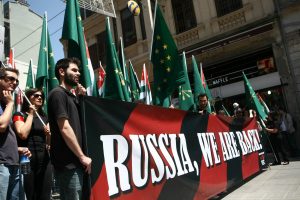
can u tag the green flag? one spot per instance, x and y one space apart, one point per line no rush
198 87
30 83
73 33
206 89
186 97
134 83
114 85
45 77
168 74
124 67
252 102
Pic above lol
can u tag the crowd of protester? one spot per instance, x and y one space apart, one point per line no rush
54 142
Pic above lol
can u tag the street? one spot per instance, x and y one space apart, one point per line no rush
277 182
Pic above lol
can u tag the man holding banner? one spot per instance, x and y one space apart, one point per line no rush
67 155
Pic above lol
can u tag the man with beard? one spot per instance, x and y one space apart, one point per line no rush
10 187
67 156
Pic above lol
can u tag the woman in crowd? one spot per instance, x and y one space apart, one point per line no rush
34 135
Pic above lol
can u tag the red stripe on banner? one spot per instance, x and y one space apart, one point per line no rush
100 188
213 180
251 161
148 120
143 120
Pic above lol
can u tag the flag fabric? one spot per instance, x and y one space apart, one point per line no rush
263 103
45 77
30 83
11 61
252 101
114 84
149 152
145 94
186 97
198 87
73 38
168 74
92 90
134 83
206 89
124 66
101 78
52 80
18 100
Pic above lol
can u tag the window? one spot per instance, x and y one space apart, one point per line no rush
85 13
184 15
227 6
128 27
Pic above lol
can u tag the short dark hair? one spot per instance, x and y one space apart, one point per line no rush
64 64
3 71
29 93
202 95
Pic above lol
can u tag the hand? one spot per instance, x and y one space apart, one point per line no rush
24 151
86 162
47 130
32 109
7 97
80 90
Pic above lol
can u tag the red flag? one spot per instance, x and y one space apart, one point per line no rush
101 78
11 61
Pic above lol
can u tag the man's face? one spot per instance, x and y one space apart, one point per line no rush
202 102
72 75
9 81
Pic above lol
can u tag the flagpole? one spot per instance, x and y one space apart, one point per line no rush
150 53
37 114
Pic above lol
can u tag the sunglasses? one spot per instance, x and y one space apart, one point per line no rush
37 95
11 79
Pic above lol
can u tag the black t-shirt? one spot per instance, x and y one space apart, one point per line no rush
8 146
36 140
63 104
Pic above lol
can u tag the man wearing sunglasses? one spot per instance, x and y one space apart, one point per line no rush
10 187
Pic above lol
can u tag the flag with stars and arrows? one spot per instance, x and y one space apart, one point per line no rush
30 83
252 102
73 39
134 83
114 84
198 87
168 74
124 66
45 77
186 97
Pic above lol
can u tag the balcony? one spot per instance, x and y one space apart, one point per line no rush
189 37
231 20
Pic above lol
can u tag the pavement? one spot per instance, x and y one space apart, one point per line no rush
275 182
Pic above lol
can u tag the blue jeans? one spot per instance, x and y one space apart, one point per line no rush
70 183
10 183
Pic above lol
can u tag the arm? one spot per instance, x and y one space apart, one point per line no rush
23 128
272 130
7 113
71 141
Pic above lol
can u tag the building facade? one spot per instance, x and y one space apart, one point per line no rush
257 37
23 34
